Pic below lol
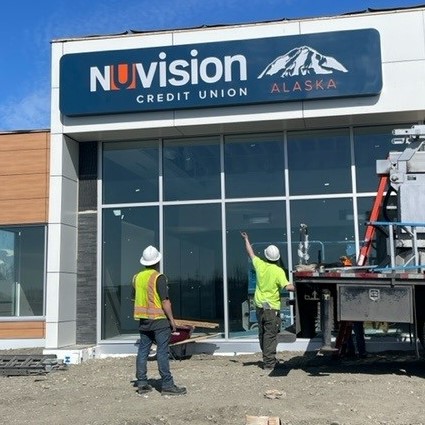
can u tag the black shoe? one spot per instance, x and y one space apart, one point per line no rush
269 366
143 389
174 390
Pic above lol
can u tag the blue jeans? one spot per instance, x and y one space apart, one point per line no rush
162 339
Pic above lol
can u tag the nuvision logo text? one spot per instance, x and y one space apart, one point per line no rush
176 73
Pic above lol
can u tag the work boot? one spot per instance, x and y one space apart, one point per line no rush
269 366
143 389
174 390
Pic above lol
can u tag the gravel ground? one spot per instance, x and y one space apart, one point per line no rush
385 388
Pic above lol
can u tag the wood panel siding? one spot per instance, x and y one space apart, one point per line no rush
23 211
23 329
25 162
24 177
24 141
22 186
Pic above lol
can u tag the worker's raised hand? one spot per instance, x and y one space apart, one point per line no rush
244 235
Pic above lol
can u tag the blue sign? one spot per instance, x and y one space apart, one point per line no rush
277 69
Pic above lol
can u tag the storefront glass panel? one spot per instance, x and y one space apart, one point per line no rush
191 169
265 223
371 144
254 165
126 233
130 172
22 271
330 225
193 261
319 162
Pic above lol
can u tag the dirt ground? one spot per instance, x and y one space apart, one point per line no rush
387 388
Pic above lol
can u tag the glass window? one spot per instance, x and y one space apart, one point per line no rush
371 144
265 223
126 233
193 261
330 226
319 162
192 169
22 271
130 172
254 165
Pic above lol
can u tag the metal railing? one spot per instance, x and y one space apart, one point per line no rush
405 233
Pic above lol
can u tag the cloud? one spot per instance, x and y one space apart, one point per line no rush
31 112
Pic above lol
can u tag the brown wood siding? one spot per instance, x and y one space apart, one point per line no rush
24 177
22 330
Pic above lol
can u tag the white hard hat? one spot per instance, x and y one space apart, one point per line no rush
272 253
150 256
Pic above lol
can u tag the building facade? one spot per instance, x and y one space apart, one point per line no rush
182 139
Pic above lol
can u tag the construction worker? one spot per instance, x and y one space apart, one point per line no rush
271 278
152 308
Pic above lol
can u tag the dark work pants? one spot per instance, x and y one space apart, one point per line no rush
269 322
162 339
358 329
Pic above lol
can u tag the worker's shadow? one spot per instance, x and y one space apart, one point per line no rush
315 364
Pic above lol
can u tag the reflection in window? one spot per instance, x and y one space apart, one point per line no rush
191 169
319 162
254 165
371 144
130 172
265 223
330 224
193 261
126 233
22 271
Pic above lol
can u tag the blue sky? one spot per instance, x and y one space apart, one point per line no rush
27 28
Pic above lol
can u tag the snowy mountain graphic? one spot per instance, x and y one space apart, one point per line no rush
302 61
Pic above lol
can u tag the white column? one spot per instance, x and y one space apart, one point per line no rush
61 290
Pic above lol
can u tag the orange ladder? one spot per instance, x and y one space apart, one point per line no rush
374 215
346 328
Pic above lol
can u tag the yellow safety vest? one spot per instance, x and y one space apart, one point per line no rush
270 280
147 304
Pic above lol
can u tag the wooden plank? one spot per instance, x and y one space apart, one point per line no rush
196 324
195 338
262 420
